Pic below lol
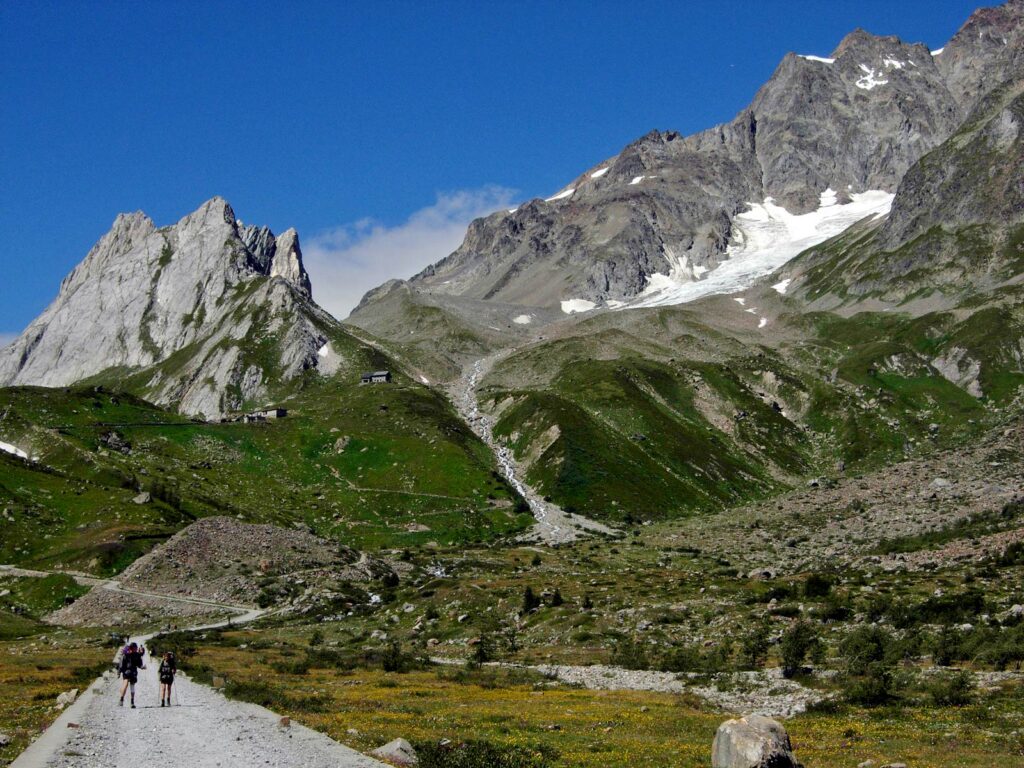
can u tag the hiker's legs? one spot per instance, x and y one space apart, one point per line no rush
132 685
124 687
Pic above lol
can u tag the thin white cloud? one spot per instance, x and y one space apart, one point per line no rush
347 261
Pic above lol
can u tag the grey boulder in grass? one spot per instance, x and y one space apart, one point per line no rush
754 741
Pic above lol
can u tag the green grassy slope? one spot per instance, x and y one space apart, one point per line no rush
620 429
371 466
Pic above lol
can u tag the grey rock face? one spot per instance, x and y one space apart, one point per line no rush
143 294
950 231
665 204
976 177
752 742
987 50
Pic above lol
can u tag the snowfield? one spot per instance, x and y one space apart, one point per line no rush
782 285
12 449
560 196
766 237
572 306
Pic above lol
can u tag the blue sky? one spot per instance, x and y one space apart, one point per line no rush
376 128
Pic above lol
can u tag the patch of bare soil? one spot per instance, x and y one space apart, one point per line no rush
218 563
103 607
223 560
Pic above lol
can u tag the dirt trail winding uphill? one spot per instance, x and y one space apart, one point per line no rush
554 525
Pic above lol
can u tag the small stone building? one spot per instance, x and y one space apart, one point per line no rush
376 377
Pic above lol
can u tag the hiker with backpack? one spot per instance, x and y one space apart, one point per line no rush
131 663
168 669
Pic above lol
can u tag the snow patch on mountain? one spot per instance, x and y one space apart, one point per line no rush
522 319
330 361
13 450
560 196
599 174
870 79
767 237
572 306
822 59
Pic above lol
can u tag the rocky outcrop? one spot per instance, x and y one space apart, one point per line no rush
189 302
223 560
986 51
856 120
954 227
752 742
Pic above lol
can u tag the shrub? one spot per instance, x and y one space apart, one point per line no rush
878 606
693 659
393 659
483 651
799 640
835 609
531 601
1012 555
631 655
939 609
946 646
484 754
817 585
863 647
952 689
292 667
754 646
872 687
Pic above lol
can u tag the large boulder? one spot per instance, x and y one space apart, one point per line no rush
754 741
397 752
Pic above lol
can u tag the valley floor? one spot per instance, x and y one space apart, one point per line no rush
201 730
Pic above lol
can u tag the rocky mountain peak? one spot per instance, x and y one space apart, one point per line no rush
142 294
860 40
663 208
986 51
287 262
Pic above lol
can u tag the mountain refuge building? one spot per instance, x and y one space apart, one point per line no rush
376 377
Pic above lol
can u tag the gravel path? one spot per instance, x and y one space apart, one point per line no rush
202 729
